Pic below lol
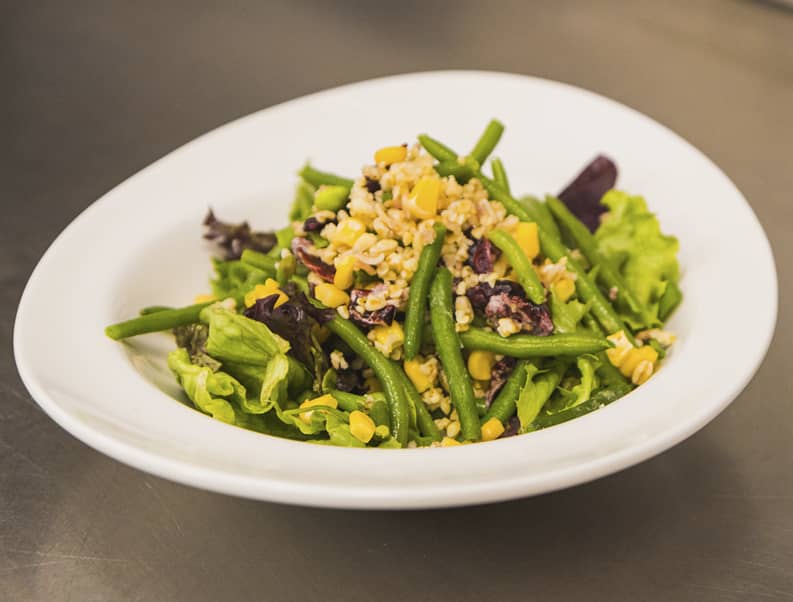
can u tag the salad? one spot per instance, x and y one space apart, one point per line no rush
422 304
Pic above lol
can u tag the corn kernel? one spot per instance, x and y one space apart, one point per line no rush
348 231
387 338
361 426
345 277
260 291
480 364
622 347
449 442
525 234
636 356
324 400
642 372
421 380
330 295
423 199
617 355
204 299
492 429
390 154
564 289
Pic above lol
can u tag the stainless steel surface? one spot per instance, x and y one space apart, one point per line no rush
92 92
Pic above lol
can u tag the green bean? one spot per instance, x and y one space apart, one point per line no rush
304 200
487 141
499 173
527 277
598 400
497 193
259 260
503 406
437 149
540 214
398 404
525 346
285 269
417 296
420 441
348 401
331 198
319 178
607 274
153 309
283 238
447 346
424 421
379 413
669 301
461 172
156 322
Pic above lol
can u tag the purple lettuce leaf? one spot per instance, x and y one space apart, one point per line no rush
235 238
582 196
295 321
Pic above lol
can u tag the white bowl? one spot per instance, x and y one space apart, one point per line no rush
140 244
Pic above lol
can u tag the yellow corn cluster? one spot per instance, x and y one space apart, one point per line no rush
480 364
345 268
527 237
564 289
361 426
348 232
330 295
635 363
260 291
387 338
423 199
418 376
390 154
492 429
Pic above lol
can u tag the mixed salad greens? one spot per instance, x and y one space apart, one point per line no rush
422 304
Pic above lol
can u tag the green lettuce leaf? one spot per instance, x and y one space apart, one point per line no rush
235 338
587 364
538 389
631 238
566 316
211 392
223 397
339 433
234 279
253 354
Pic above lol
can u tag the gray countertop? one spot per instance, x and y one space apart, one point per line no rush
93 92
